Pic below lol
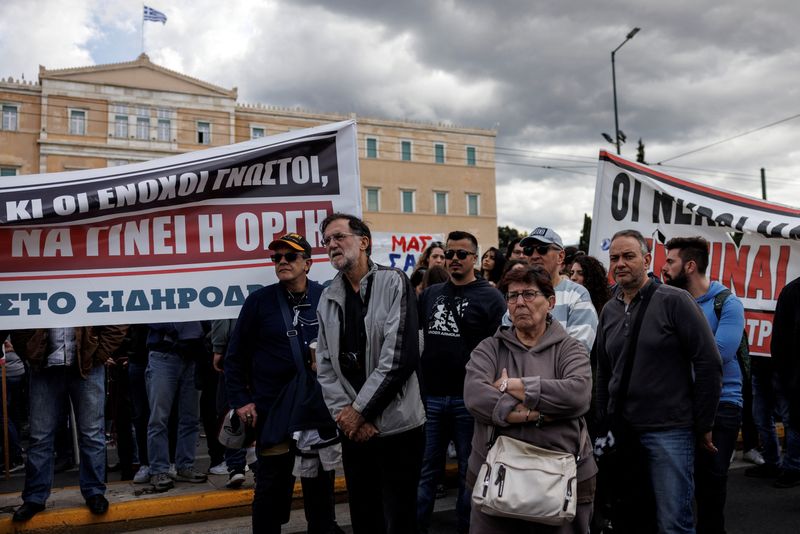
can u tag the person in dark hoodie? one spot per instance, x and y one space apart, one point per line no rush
455 317
532 382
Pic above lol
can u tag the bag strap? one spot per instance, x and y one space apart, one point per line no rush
630 349
291 333
719 301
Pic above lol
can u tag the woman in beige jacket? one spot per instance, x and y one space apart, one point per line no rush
532 382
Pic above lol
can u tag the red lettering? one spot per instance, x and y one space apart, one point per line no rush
399 241
413 244
761 276
783 264
716 254
735 268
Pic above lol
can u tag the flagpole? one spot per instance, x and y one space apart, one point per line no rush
142 28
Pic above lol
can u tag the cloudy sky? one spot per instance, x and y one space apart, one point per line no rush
539 72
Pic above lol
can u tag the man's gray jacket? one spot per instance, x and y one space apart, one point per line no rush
390 399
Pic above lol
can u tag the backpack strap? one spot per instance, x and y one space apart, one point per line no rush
719 301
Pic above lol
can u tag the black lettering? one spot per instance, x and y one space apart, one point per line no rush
665 202
704 213
776 230
620 210
681 216
724 219
34 299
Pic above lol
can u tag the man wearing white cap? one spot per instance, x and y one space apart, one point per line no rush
574 309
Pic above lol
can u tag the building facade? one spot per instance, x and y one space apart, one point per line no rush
415 177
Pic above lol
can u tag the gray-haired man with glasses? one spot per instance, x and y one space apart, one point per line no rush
367 364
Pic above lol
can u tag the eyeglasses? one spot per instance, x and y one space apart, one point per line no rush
290 257
528 295
541 250
461 254
338 238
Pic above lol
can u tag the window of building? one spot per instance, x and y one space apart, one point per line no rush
142 128
471 161
256 132
121 126
405 150
407 201
203 133
8 171
10 119
77 122
373 199
473 204
438 152
372 147
440 202
164 127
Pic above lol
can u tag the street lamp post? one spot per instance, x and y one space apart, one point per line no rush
614 84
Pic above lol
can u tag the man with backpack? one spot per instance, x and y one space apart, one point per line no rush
685 267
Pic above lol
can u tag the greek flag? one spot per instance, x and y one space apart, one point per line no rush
153 15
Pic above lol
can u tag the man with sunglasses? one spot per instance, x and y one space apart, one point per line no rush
367 364
455 317
258 366
574 309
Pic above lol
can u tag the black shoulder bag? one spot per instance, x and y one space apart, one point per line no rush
300 404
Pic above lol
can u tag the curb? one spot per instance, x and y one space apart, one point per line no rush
132 511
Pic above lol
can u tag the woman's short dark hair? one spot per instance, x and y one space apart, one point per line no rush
357 226
499 263
533 275
510 264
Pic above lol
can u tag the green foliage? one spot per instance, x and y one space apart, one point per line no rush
507 234
586 233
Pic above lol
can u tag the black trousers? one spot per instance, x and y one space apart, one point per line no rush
382 478
272 500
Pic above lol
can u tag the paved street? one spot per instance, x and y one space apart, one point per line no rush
754 506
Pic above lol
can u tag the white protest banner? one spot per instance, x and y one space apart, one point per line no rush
660 206
175 239
400 250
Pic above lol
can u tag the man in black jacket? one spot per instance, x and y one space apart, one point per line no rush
674 387
455 316
258 366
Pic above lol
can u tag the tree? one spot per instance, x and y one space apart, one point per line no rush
586 233
507 234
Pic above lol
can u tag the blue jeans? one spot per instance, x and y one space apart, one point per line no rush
168 375
669 457
768 399
711 469
49 388
447 419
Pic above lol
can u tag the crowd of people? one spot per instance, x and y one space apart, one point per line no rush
646 383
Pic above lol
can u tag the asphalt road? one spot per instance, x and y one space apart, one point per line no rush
754 507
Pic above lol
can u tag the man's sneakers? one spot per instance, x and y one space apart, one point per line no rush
188 474
219 469
27 510
762 471
235 479
162 482
753 456
142 476
788 478
97 504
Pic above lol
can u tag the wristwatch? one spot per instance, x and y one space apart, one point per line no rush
504 385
